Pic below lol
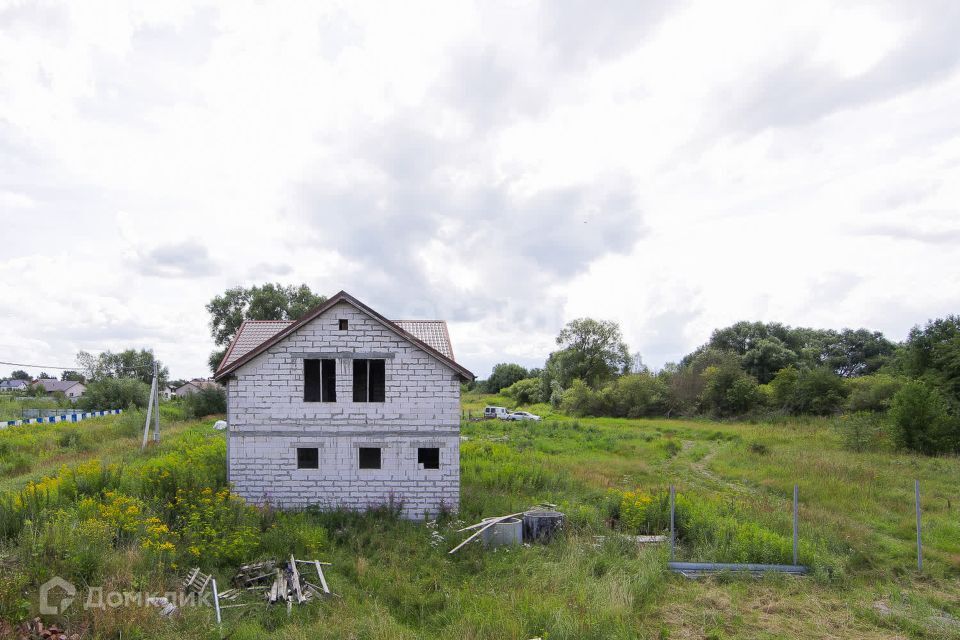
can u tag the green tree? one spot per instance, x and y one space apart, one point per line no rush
922 421
72 376
504 375
265 302
526 391
856 352
45 376
115 393
728 391
591 350
20 374
808 391
130 363
933 354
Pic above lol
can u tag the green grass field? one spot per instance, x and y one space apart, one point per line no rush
82 502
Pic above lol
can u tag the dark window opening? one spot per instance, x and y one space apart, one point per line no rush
319 380
369 380
308 458
369 457
343 324
429 457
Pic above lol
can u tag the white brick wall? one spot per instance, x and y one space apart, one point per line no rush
268 419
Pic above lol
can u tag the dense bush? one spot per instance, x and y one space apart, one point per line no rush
526 391
206 402
729 391
808 391
922 421
871 393
115 393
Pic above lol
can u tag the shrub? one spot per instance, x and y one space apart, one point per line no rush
215 527
808 391
871 393
729 391
635 396
526 391
861 431
115 393
921 420
581 400
208 401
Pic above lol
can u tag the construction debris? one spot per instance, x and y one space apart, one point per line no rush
281 582
36 629
538 526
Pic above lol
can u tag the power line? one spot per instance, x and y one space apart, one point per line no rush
74 367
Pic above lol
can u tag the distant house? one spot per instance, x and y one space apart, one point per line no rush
70 388
167 392
13 385
195 385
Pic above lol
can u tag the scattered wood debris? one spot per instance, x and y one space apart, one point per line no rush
282 581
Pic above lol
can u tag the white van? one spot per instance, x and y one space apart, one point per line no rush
496 412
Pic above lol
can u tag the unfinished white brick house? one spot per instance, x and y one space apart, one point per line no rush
344 408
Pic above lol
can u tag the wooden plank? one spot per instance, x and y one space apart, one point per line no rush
478 532
323 580
488 520
295 576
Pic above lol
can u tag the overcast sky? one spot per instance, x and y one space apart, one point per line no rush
673 166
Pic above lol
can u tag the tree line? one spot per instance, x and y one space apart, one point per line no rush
909 391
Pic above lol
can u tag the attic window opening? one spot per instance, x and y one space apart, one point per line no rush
308 458
428 457
344 324
369 380
319 380
369 457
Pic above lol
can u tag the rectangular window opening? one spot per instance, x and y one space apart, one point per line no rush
344 324
319 380
428 457
308 458
369 380
369 457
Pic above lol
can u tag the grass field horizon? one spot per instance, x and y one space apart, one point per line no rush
734 483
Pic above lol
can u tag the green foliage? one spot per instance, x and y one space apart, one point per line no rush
872 392
129 363
933 353
214 527
728 390
297 533
265 302
115 393
856 352
862 431
808 391
591 350
207 401
20 374
504 375
581 400
526 391
922 421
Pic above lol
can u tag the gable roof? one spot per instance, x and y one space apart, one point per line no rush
51 384
13 384
199 383
429 335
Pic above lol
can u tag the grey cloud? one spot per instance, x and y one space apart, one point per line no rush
795 91
914 233
150 74
187 259
263 270
581 31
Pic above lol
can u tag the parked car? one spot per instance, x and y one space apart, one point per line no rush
496 412
523 415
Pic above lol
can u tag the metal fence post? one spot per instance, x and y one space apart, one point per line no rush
796 503
916 491
673 535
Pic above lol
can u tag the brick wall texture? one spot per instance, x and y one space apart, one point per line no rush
268 420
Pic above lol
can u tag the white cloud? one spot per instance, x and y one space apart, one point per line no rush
674 167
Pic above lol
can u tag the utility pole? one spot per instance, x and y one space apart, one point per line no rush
153 405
